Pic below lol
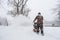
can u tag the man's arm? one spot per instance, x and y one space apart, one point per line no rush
42 17
35 19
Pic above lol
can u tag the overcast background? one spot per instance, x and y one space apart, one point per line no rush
43 6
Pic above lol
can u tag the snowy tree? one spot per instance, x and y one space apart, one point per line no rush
0 3
57 10
19 7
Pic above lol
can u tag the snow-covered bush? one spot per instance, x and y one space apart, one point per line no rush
22 20
3 21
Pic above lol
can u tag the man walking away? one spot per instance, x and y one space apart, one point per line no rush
39 19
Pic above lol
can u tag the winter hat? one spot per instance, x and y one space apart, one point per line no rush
39 14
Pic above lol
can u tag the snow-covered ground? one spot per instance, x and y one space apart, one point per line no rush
21 28
26 33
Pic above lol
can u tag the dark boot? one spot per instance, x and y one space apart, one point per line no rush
38 31
42 33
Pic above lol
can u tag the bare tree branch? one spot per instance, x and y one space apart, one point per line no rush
19 5
15 1
25 2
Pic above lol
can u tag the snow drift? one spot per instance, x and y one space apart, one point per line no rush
21 21
3 21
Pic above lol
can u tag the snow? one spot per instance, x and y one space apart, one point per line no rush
21 21
21 28
26 33
3 21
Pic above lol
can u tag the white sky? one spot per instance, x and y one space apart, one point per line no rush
43 6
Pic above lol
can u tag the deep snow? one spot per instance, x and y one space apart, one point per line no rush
26 33
21 28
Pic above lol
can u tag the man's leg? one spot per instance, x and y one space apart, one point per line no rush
37 28
41 27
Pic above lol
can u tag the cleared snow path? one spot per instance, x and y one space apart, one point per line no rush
26 33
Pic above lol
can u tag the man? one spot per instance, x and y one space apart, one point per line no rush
39 19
